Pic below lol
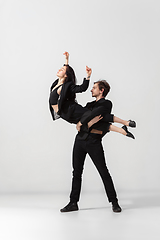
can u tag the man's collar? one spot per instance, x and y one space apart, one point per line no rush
101 100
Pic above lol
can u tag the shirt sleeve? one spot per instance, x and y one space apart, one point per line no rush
80 88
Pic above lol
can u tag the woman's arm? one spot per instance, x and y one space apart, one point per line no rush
67 57
83 87
89 72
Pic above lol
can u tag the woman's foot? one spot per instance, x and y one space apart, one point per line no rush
129 134
131 124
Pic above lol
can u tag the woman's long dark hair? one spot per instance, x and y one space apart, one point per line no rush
71 77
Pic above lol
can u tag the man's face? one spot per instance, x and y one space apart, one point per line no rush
95 90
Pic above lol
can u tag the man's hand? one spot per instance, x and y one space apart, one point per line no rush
94 120
88 71
67 57
78 126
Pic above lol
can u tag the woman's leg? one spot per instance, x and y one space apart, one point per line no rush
122 130
107 117
115 119
117 129
119 120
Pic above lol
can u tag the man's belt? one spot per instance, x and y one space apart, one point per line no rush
96 131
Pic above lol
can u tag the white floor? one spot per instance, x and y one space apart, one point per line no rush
37 217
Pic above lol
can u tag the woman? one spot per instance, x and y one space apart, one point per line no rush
62 101
63 93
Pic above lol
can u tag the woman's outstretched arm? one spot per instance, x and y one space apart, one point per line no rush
83 87
79 88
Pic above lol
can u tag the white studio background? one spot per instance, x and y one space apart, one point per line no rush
119 40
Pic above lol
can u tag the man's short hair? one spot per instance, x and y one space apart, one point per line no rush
103 84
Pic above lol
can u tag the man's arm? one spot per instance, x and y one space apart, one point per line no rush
98 110
104 108
94 120
90 123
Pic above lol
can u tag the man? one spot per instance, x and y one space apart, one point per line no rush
90 142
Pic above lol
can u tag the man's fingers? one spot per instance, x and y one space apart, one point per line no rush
100 117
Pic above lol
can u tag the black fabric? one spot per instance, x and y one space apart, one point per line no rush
53 99
103 106
90 143
73 112
68 92
103 125
99 110
95 150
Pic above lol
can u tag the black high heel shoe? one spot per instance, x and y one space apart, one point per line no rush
129 134
132 123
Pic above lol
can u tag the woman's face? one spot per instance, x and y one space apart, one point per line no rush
62 72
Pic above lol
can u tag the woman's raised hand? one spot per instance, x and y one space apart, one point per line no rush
88 71
66 54
67 57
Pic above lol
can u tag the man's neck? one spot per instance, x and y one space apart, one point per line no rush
98 98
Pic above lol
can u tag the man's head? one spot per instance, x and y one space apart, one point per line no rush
100 89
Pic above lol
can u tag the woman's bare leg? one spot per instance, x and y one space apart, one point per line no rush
119 120
117 129
122 130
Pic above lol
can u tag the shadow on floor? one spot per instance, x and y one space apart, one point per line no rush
142 200
92 208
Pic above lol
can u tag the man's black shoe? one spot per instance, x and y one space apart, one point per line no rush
115 207
70 207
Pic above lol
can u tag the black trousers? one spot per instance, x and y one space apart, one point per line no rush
76 113
95 150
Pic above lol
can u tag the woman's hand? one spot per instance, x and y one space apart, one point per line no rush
67 57
66 54
88 71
